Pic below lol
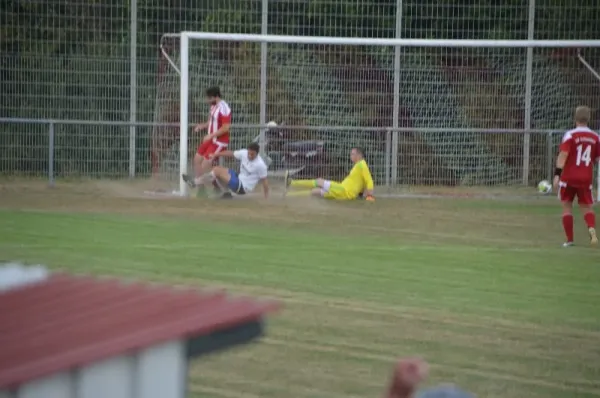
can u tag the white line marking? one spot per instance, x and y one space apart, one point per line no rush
266 247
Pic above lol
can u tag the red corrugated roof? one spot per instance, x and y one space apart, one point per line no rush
69 321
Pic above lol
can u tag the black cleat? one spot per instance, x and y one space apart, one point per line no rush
227 195
188 180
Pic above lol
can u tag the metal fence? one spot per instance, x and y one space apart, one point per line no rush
82 61
49 148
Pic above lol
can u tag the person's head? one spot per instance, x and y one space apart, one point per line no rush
213 95
406 377
357 154
583 114
253 150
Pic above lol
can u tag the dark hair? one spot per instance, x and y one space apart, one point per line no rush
254 147
359 150
213 92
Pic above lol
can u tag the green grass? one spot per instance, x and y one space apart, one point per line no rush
481 289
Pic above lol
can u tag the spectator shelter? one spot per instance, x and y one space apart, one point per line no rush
82 337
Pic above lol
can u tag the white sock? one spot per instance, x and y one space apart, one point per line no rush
208 178
204 178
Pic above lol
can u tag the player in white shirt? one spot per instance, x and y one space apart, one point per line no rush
253 170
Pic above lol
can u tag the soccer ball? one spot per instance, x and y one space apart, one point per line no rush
544 187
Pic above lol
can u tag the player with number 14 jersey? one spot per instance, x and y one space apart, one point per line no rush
582 145
579 152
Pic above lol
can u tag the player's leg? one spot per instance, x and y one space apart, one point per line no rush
196 181
205 168
308 184
303 184
585 197
338 192
199 158
203 162
567 195
221 176
219 186
330 190
208 163
229 179
318 192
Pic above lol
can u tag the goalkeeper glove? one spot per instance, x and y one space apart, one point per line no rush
370 198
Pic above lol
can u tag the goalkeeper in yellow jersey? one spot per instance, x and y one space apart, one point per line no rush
358 182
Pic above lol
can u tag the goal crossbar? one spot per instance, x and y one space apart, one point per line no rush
359 41
185 37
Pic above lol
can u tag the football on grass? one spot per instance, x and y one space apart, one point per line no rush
544 187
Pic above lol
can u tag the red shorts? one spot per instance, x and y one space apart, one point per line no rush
208 148
584 194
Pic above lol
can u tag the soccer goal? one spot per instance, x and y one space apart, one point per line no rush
428 112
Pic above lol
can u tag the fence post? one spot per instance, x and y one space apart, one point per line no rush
132 85
51 154
528 92
396 103
388 158
263 73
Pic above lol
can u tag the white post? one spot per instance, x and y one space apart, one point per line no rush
51 180
396 103
263 73
528 92
388 157
132 85
363 41
184 44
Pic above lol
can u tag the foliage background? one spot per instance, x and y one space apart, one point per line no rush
69 59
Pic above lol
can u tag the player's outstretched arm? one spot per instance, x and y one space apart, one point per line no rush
223 154
563 154
368 181
561 160
265 184
200 127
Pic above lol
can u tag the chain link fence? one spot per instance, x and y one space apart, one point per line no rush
53 149
102 61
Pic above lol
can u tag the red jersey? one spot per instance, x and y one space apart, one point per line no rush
220 114
583 146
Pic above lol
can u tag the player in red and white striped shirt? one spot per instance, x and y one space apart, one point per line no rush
215 141
579 151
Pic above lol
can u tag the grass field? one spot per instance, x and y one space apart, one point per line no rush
480 288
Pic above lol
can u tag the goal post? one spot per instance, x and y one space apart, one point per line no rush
185 39
184 85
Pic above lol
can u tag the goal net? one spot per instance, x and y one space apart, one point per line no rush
426 112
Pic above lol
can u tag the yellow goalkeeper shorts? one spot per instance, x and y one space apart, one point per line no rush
335 190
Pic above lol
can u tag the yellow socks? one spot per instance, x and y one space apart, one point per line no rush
304 184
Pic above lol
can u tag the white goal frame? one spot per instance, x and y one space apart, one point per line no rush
185 38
